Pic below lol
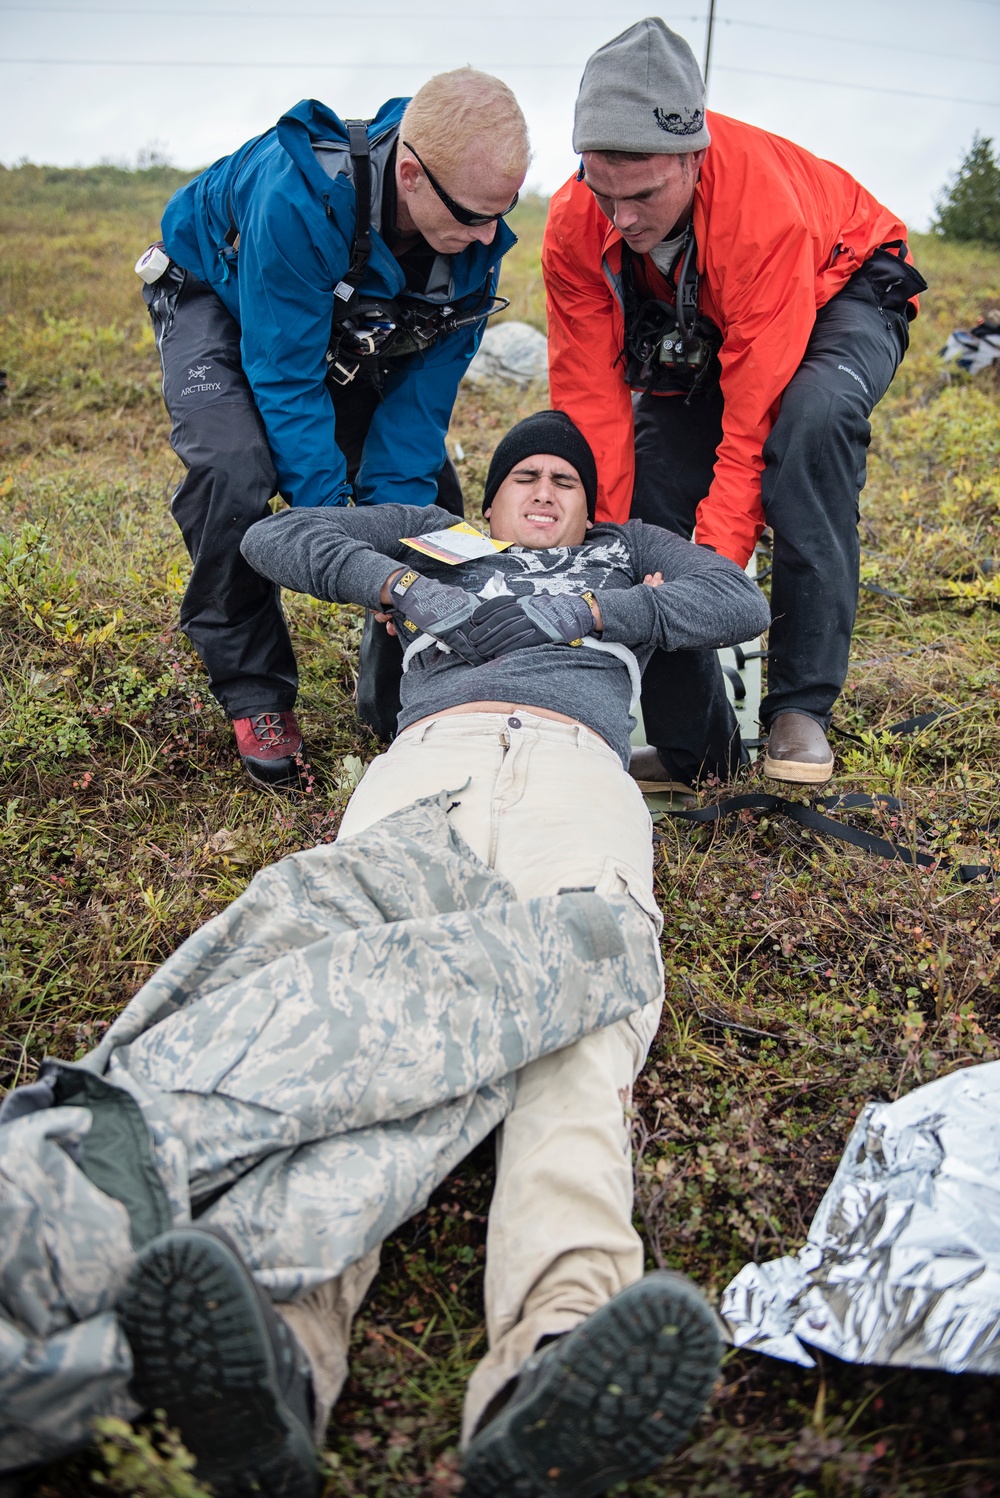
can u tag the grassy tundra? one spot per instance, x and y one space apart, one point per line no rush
803 978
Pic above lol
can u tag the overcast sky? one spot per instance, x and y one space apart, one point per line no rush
893 90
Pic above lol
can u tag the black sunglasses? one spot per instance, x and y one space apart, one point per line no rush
464 215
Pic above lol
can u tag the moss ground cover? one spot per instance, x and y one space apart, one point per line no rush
803 978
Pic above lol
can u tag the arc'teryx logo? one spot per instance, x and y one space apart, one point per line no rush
674 123
200 385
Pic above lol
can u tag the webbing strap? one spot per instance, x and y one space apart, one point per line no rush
884 592
686 285
732 675
808 816
361 249
628 660
905 728
422 642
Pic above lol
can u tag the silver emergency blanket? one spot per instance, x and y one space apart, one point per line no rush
310 1065
902 1262
975 349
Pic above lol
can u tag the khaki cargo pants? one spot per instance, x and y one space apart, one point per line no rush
549 806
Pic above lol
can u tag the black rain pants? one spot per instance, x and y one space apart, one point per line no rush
814 472
232 615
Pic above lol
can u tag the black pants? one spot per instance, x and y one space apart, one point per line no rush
232 615
813 475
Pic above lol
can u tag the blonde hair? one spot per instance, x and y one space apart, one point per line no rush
455 111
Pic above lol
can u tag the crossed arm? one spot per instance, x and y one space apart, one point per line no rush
689 597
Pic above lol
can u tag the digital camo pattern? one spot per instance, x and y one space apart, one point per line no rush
305 1215
902 1262
64 1254
325 1050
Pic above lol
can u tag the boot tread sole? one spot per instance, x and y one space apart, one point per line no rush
192 1349
611 1403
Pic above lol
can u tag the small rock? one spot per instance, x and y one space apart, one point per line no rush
513 353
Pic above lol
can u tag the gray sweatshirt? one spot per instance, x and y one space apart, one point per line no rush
346 555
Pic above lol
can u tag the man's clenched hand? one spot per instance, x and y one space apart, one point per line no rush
422 606
503 624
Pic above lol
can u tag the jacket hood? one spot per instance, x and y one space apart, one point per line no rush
312 121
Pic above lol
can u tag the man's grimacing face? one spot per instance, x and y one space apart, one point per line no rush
541 503
646 197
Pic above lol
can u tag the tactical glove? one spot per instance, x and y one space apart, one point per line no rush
422 606
503 624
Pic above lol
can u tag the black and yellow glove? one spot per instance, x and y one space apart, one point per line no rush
422 606
503 624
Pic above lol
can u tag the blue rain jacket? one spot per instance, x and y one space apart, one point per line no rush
279 285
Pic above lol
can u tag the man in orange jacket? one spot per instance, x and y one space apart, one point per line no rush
725 310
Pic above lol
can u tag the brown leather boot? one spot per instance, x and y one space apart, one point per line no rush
798 751
651 775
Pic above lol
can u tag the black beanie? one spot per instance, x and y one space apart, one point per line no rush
545 432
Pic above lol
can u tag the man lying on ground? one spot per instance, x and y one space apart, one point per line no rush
533 736
314 1061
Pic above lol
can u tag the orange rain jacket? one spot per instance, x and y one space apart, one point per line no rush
779 232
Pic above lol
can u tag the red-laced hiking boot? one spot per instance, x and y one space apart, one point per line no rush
271 748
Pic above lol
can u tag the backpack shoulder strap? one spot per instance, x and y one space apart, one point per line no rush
357 133
361 248
686 284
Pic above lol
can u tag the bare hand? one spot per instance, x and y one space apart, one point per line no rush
652 580
386 618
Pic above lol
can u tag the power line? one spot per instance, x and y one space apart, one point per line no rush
868 88
301 15
155 62
309 15
825 36
400 15
148 62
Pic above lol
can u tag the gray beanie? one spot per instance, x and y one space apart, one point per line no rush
642 92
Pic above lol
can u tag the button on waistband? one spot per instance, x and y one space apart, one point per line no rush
513 722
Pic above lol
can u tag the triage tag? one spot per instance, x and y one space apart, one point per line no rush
458 543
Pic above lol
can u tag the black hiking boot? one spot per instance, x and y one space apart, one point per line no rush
210 1350
605 1403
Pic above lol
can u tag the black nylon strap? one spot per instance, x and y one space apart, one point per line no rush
732 675
923 720
686 285
904 729
884 592
807 816
742 656
361 249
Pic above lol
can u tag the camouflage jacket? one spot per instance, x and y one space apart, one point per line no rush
303 1072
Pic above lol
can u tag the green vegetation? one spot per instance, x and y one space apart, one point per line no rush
803 978
145 1463
969 208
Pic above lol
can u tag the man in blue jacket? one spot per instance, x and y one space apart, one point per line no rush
316 301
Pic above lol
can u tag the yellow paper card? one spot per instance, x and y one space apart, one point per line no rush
457 543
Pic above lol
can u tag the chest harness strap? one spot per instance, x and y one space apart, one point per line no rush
669 348
368 331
